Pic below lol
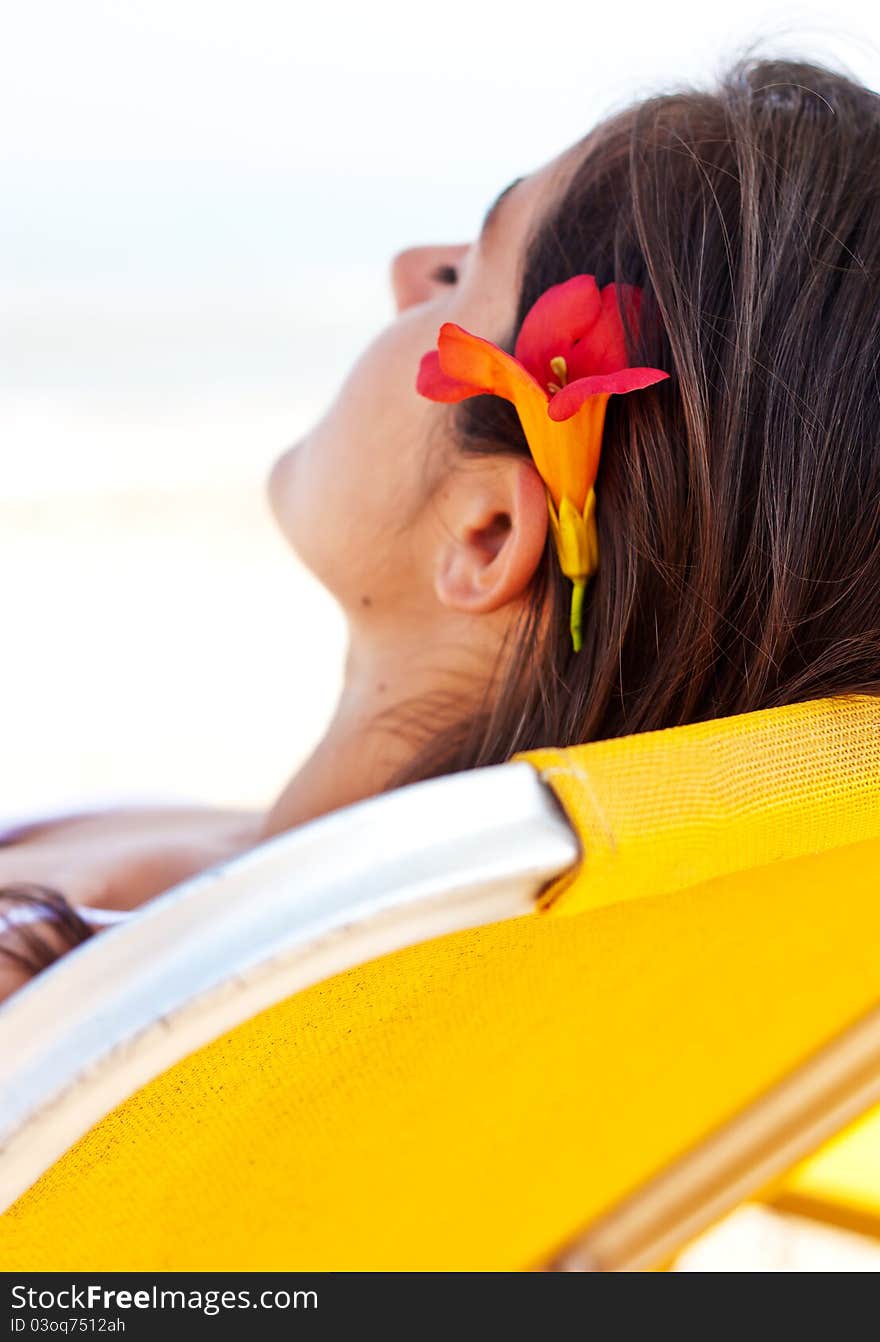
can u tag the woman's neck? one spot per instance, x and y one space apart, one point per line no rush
346 766
392 695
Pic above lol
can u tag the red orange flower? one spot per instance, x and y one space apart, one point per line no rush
569 357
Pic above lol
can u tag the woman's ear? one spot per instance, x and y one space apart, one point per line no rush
495 528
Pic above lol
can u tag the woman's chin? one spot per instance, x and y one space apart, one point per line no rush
280 487
294 518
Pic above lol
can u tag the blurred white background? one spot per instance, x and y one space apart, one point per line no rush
200 200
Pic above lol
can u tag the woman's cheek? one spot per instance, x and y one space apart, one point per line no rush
341 494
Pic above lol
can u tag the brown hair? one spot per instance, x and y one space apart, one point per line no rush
32 950
738 502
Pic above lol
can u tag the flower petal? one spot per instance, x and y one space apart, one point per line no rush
603 348
563 314
433 383
479 362
570 399
470 358
579 448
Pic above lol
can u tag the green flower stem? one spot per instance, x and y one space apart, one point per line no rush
577 602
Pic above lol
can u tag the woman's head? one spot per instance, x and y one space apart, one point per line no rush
376 499
738 503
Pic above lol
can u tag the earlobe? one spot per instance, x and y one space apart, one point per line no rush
495 536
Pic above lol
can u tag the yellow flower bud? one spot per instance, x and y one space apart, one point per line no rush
577 546
575 535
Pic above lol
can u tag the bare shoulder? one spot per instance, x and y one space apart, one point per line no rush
115 861
120 859
128 822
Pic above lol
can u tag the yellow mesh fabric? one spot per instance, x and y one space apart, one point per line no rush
470 1102
667 809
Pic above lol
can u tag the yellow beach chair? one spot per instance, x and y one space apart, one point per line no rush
564 1011
841 1184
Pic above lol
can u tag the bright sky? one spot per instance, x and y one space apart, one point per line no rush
201 196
